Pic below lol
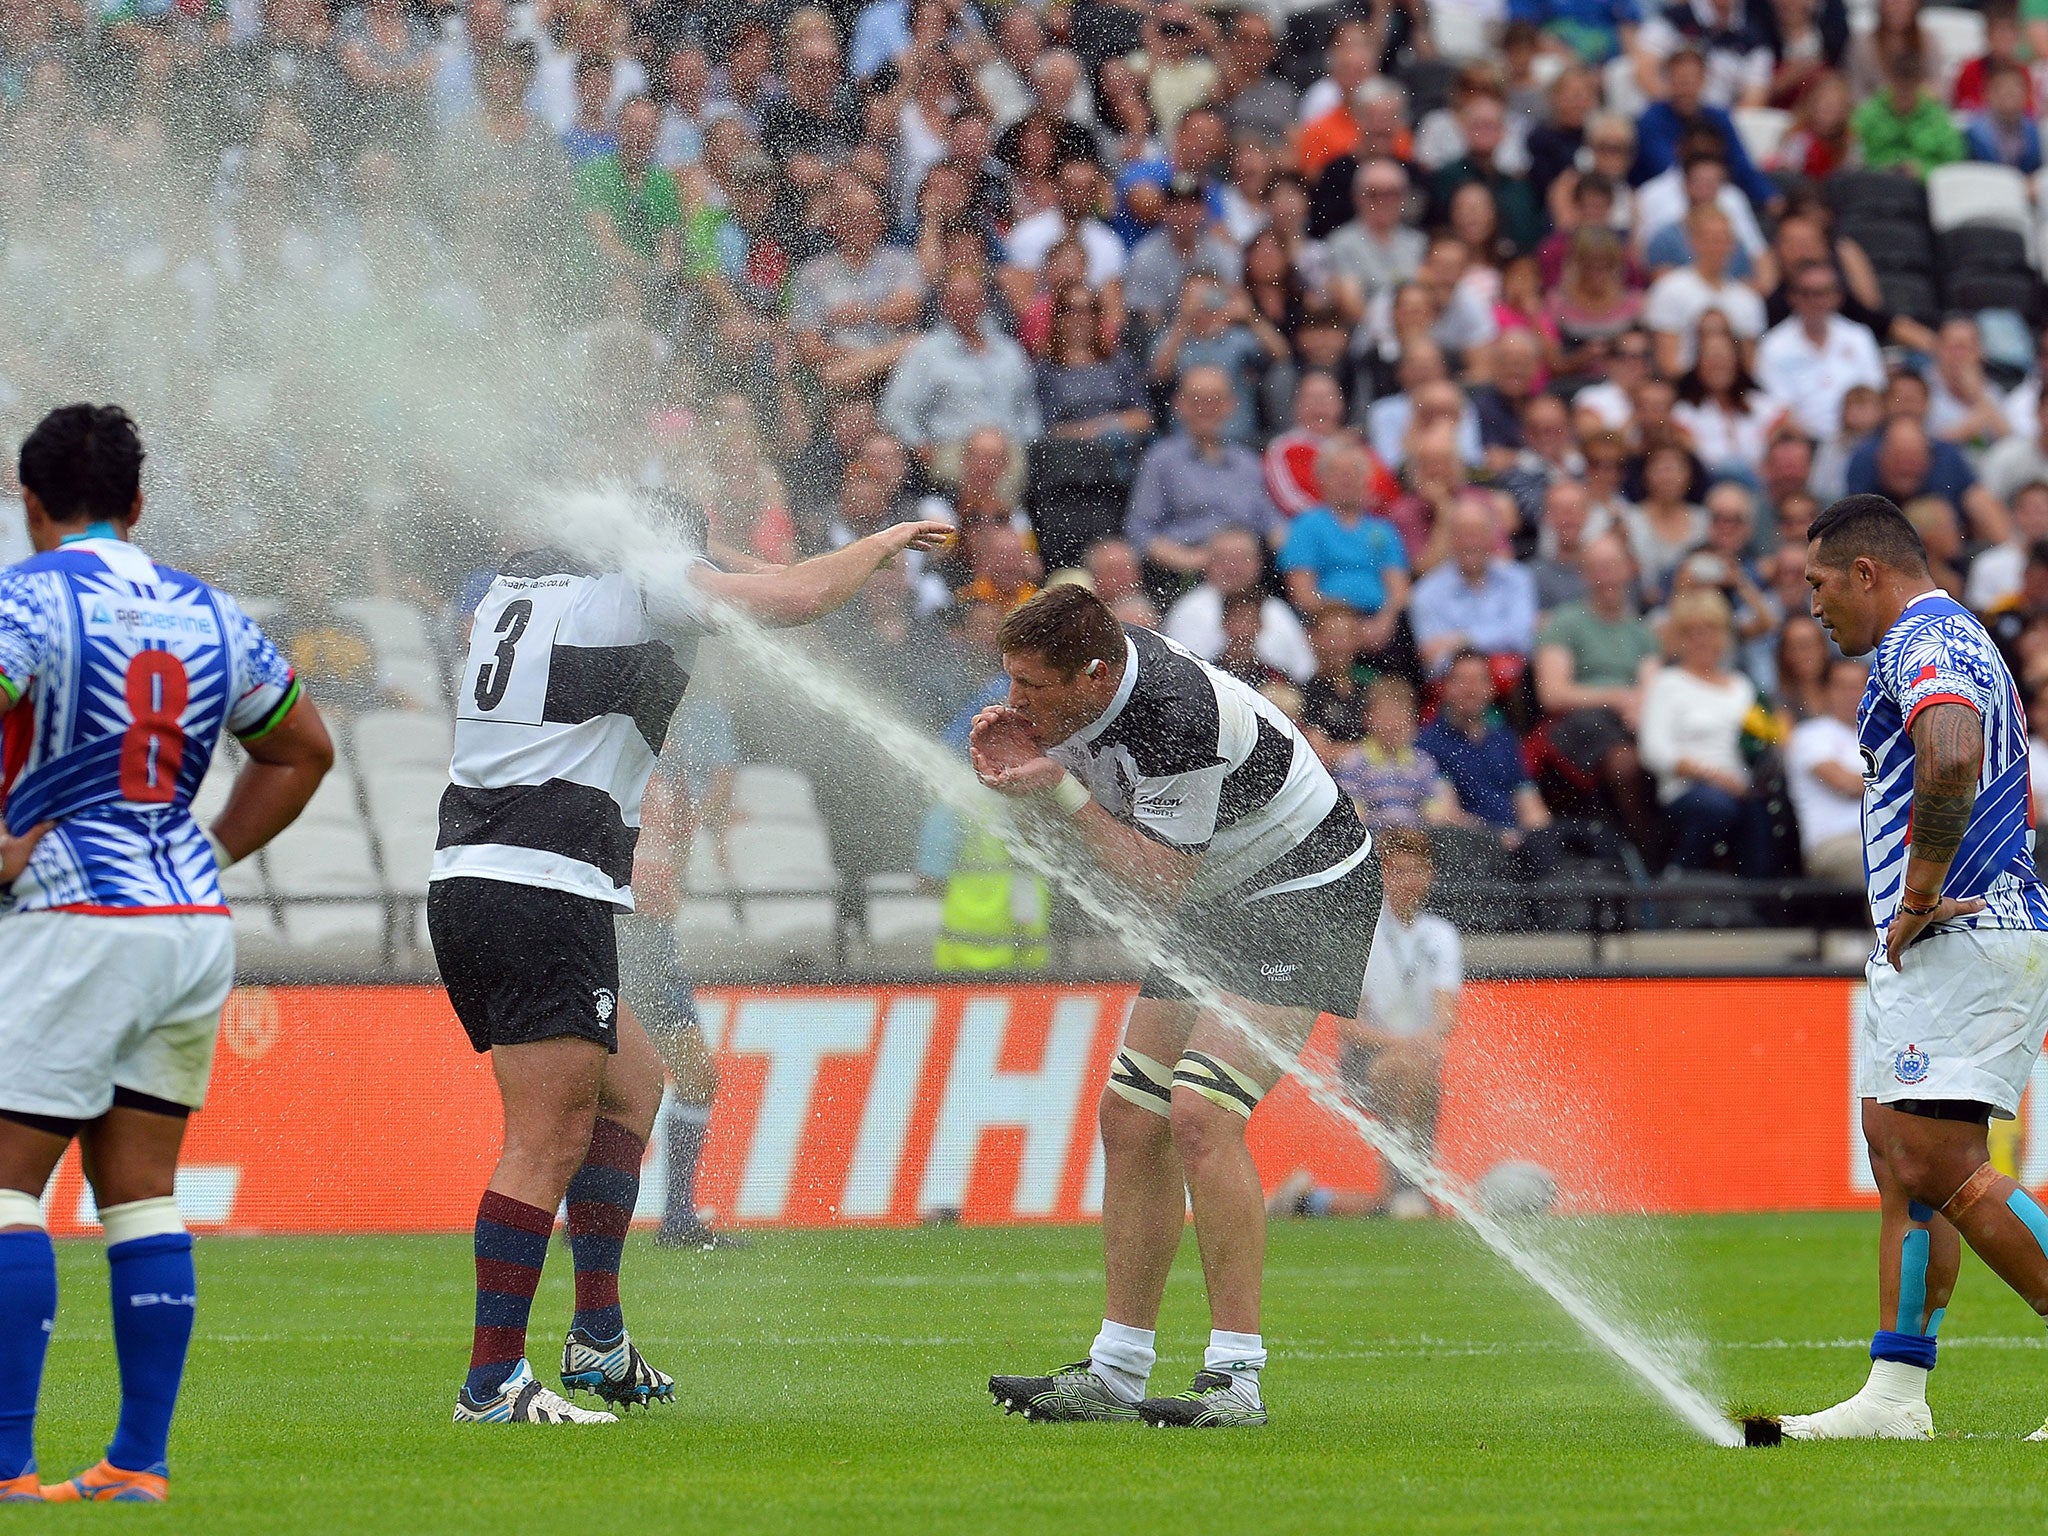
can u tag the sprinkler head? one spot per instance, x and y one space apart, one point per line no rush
1762 1429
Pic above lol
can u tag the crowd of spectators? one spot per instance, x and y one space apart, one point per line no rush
1474 410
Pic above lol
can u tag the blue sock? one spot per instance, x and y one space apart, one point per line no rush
28 1311
155 1294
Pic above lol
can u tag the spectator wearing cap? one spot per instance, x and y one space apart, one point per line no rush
1376 251
1475 600
1814 356
1904 463
854 307
1344 554
1905 126
962 375
1663 125
1195 482
1186 243
1233 571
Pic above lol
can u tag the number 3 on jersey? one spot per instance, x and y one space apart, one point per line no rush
495 675
153 746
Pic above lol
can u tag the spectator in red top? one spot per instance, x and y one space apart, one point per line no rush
1290 459
2001 46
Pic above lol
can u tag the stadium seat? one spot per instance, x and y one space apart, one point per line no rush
704 877
327 860
1893 245
782 856
259 942
1762 130
402 738
404 817
1980 194
405 654
1981 248
1876 194
791 933
1460 32
1957 36
1911 293
770 792
902 921
2016 291
334 802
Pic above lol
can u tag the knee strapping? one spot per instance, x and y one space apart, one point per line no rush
141 1218
19 1209
1975 1188
1218 1082
1145 1082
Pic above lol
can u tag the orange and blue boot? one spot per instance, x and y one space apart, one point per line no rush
107 1483
25 1489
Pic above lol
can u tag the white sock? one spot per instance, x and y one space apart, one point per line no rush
1240 1356
1123 1357
1894 1381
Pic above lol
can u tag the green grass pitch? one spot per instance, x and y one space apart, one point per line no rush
835 1382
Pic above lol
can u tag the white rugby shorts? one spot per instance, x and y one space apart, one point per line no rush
1963 1018
90 1004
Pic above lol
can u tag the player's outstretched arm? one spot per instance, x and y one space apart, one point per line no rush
808 591
286 764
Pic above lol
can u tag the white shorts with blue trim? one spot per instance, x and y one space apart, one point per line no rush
89 1004
1963 1018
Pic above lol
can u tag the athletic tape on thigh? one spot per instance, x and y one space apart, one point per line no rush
1975 1188
1219 1082
2022 1205
18 1209
1145 1082
141 1218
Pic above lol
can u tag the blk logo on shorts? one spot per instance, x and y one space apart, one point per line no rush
606 1005
1910 1065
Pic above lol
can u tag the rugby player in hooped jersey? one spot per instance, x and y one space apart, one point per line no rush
572 677
1202 799
117 678
1958 982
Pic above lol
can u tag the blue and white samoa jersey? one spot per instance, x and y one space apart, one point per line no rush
122 674
1937 653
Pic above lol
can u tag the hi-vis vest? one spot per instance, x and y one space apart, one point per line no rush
996 916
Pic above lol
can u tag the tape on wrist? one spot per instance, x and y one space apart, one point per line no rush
221 856
1071 795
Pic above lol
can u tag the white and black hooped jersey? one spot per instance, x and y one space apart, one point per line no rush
1195 758
561 710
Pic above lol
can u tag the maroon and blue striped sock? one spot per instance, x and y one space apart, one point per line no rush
511 1247
601 1201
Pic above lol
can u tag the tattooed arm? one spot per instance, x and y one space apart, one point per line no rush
1948 756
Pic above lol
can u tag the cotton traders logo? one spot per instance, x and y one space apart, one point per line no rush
1910 1065
606 1005
1284 971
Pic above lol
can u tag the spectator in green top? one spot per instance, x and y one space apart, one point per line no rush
631 204
1594 658
1905 127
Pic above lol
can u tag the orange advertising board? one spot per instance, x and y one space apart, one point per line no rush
339 1109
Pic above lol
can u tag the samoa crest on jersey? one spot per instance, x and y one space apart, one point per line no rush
121 675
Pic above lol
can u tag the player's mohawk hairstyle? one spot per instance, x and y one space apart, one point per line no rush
83 462
1868 526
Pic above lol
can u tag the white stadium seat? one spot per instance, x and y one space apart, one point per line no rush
334 802
1973 193
902 920
782 856
769 792
405 816
1958 37
402 738
1762 130
316 859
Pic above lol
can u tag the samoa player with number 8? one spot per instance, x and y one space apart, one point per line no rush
117 678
